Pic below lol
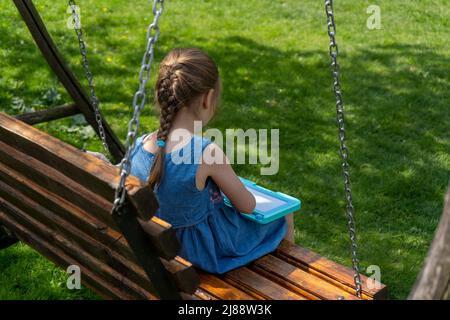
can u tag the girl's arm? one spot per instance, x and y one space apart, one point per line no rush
226 179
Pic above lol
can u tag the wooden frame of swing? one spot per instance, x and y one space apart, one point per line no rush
130 226
67 78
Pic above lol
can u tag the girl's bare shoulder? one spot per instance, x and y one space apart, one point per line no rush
149 142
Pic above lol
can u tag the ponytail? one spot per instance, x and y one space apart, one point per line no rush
183 75
169 106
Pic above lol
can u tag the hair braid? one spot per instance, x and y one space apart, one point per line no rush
168 103
169 106
184 74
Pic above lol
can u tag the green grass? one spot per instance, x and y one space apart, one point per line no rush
274 64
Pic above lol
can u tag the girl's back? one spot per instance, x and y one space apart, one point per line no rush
213 236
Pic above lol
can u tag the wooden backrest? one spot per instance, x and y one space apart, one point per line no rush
59 199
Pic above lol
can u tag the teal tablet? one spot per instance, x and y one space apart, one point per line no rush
270 205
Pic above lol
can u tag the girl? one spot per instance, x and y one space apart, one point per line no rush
213 236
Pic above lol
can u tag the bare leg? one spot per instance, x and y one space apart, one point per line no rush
290 230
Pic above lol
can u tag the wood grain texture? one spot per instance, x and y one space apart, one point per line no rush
259 286
220 289
110 247
49 114
78 204
433 282
51 246
203 295
328 270
97 176
298 280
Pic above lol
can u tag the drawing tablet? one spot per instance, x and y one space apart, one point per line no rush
270 205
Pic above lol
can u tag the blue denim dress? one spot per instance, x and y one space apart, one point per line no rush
213 236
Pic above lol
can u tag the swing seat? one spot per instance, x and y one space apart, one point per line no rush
58 200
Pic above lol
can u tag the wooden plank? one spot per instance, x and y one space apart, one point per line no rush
97 175
328 270
49 114
185 296
144 250
183 274
54 59
7 239
51 179
96 284
258 286
220 289
298 280
159 232
87 263
104 242
203 295
57 184
105 231
433 281
89 279
162 236
108 247
54 181
73 250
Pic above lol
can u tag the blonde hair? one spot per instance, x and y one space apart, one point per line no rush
184 74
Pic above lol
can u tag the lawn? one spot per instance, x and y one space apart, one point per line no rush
273 59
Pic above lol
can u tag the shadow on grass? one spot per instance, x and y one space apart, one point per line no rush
396 98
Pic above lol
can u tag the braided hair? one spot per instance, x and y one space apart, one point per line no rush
184 74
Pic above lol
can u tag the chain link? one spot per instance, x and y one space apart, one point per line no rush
334 51
138 103
93 97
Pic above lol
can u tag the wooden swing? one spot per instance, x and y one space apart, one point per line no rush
62 202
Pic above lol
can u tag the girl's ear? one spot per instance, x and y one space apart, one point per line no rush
208 99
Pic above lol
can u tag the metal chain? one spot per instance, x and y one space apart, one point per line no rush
138 103
89 76
343 147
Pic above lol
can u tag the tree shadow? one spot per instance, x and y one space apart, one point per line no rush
396 101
